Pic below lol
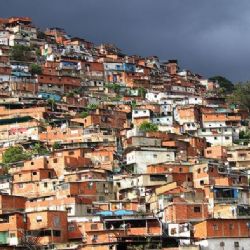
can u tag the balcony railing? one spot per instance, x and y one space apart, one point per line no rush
226 200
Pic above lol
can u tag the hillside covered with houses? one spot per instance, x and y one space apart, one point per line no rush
106 151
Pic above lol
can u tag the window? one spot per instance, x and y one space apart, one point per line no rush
236 244
71 228
209 152
180 170
68 209
45 184
231 226
227 137
39 218
215 227
95 237
154 155
71 152
50 175
94 226
215 138
32 163
55 160
101 198
222 244
34 173
12 235
202 182
90 185
197 209
57 233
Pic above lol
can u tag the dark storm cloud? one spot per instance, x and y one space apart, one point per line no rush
208 37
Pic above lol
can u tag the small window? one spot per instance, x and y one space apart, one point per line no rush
215 227
154 155
68 209
45 184
57 233
236 244
94 226
55 160
202 182
180 170
34 173
39 218
71 228
95 237
215 138
32 163
197 209
71 152
222 244
227 137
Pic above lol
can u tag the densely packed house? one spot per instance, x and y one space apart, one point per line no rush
102 150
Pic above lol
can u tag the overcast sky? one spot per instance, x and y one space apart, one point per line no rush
208 37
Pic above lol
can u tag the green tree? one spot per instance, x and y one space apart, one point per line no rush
56 145
114 86
15 154
20 53
84 114
244 134
70 94
133 104
148 127
39 149
51 102
241 95
35 69
92 106
226 85
142 92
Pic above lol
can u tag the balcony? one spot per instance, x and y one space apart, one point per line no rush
226 200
